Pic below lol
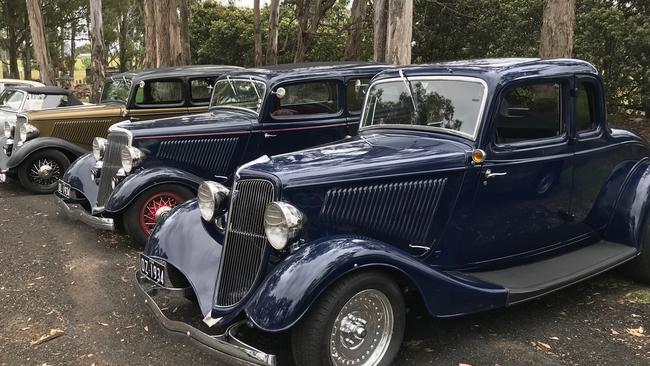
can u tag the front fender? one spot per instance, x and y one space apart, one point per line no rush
193 247
295 284
79 177
631 208
134 185
40 143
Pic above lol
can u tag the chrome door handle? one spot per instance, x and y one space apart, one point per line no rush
269 135
489 174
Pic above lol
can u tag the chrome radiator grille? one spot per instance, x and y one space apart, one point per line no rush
20 121
245 249
401 210
112 163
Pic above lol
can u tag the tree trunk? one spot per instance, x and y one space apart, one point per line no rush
557 29
272 45
12 42
150 49
40 43
176 50
308 22
122 43
98 59
400 32
257 34
27 51
355 30
380 26
73 55
185 31
163 49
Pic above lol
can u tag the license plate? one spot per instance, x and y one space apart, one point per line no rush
152 269
64 189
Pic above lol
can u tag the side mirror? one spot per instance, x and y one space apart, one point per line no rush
280 92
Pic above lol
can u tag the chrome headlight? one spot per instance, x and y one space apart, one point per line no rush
99 146
282 223
131 157
213 199
27 131
10 128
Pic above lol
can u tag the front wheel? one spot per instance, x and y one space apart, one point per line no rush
141 217
41 171
358 321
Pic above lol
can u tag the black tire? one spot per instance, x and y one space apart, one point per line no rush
311 337
132 217
28 171
639 268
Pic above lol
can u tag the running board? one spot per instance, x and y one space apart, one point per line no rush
535 279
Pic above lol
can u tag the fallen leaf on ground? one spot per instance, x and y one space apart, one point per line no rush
637 332
543 346
102 324
555 338
54 333
124 279
146 328
615 332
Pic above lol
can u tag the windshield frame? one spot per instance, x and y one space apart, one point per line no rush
410 80
113 79
22 102
240 78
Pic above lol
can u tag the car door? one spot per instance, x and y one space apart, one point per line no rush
310 113
521 205
158 98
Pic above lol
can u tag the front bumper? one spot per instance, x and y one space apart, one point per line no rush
225 347
76 212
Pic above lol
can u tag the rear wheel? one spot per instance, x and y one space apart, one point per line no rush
358 322
140 218
41 171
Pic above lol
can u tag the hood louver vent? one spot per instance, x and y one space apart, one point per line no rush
210 154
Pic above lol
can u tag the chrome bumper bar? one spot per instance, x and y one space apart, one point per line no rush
225 347
76 212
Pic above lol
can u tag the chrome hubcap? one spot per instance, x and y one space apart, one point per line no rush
162 212
45 172
362 330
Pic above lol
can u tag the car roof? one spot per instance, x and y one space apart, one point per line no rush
177 71
497 69
21 82
41 89
274 74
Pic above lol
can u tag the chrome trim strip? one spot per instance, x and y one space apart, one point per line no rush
117 128
75 212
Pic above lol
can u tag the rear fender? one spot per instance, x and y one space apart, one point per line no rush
41 143
193 247
626 224
297 282
134 185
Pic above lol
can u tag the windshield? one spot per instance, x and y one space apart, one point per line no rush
37 102
11 99
452 104
238 93
116 90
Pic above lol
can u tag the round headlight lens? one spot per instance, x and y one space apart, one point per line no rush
282 223
99 146
131 157
23 133
9 129
213 199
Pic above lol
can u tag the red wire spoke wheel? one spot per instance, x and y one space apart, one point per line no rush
152 207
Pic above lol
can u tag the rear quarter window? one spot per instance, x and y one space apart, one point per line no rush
312 98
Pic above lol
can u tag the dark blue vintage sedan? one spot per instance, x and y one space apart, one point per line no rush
144 169
471 186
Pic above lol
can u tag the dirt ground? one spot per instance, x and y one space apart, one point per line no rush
65 278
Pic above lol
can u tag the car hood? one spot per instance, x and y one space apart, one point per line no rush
371 154
212 122
88 111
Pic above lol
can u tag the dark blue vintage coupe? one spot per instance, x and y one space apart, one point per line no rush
471 186
144 169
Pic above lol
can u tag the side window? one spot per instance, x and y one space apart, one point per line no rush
586 115
201 90
319 97
356 94
159 92
530 112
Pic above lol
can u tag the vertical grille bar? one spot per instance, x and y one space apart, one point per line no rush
245 249
20 121
112 163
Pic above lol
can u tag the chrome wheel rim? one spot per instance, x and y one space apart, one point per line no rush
45 172
362 330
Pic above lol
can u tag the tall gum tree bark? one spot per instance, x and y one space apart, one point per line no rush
309 14
40 43
355 31
380 26
184 10
272 45
400 32
163 49
98 58
558 25
12 42
176 50
150 49
257 33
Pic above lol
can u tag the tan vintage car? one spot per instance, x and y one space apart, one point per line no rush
39 146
